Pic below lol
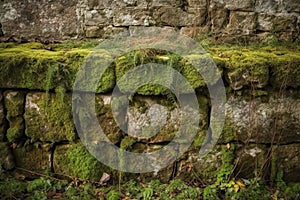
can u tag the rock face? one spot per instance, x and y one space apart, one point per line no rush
61 20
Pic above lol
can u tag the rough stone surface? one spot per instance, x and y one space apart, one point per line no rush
6 157
287 157
251 161
88 18
274 121
205 168
242 22
33 158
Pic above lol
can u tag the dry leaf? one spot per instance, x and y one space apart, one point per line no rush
240 184
236 188
105 177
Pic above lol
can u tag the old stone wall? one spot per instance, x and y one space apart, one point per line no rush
76 19
261 136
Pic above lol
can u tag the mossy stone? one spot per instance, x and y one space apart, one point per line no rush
33 157
75 160
2 119
6 158
16 129
48 117
14 103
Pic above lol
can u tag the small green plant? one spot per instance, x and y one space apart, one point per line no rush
113 195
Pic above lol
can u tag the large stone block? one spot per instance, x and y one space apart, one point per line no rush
177 17
130 16
33 157
240 5
98 17
287 159
48 117
242 23
267 6
75 160
273 121
251 161
206 168
55 19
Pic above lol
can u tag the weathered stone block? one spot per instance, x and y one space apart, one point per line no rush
251 161
14 103
93 31
242 22
177 17
287 159
130 17
240 5
75 160
284 23
206 168
292 5
30 66
16 129
265 22
36 19
48 117
6 158
274 121
197 3
98 18
33 158
219 16
266 6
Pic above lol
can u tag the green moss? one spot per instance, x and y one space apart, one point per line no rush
228 132
253 65
127 142
14 134
14 103
227 164
82 164
49 117
11 187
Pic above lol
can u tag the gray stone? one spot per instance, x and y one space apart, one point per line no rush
251 161
98 17
243 23
240 5
265 22
275 121
130 17
266 6
287 158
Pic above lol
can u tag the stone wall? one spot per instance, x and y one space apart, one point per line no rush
60 20
261 136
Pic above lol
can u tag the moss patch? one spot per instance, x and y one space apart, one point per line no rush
254 65
48 117
38 66
75 160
